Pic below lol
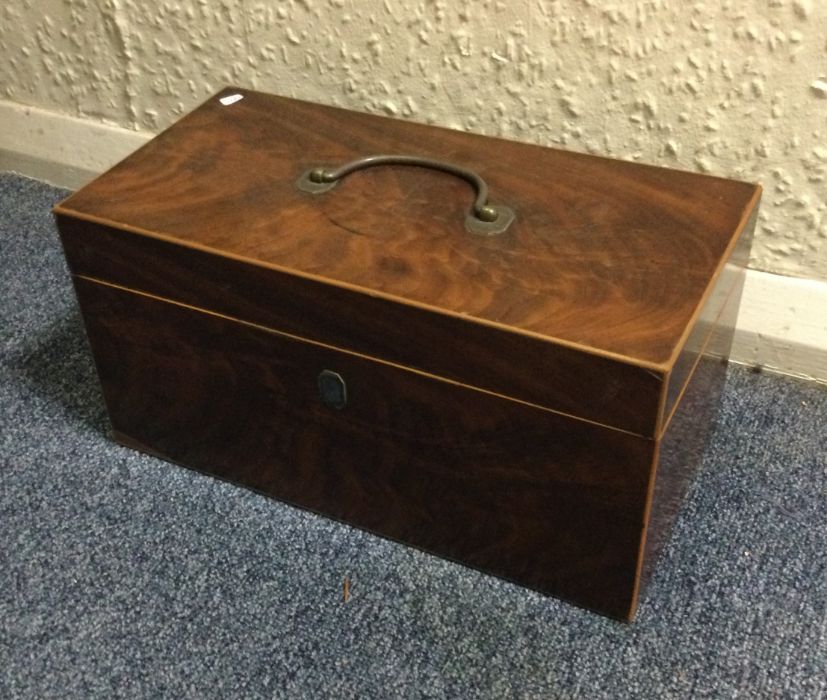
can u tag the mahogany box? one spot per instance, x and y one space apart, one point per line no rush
504 354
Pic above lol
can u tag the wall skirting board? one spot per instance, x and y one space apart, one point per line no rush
782 325
62 150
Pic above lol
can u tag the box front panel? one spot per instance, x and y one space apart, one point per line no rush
549 502
567 379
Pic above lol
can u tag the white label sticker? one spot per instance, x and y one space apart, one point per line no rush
231 99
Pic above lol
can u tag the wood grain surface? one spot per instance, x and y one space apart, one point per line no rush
533 404
601 389
607 256
680 455
714 326
681 449
512 490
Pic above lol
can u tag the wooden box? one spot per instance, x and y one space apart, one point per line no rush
528 397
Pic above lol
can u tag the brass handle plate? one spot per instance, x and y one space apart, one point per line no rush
484 218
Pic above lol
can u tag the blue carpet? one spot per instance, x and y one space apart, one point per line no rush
121 575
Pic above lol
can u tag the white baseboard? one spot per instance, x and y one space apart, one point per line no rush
782 325
63 150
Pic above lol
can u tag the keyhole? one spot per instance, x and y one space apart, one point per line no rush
332 389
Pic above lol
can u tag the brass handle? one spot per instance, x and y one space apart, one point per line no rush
485 219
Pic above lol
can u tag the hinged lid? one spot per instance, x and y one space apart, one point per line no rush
604 259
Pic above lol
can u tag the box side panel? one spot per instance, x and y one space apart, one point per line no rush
726 293
546 501
681 449
496 359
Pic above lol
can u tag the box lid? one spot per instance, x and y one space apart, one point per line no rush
606 258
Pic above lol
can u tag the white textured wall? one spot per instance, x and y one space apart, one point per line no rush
732 87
